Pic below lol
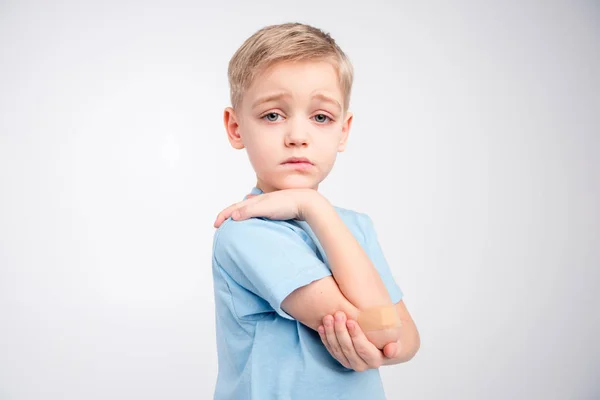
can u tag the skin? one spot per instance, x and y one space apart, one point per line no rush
291 109
296 110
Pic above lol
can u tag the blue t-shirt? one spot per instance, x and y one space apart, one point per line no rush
264 353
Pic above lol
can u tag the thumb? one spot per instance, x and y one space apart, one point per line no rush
390 350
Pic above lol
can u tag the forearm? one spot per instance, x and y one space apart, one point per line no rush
355 274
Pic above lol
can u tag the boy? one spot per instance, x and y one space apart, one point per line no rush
306 306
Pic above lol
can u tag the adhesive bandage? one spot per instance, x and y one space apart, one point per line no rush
377 318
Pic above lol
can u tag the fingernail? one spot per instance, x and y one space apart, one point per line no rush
321 329
350 325
327 321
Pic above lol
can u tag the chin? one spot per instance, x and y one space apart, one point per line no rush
297 182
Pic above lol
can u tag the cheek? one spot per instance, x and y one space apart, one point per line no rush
328 150
259 147
329 143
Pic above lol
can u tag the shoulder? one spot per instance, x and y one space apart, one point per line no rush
231 231
252 234
236 243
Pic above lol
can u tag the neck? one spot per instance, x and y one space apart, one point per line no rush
264 187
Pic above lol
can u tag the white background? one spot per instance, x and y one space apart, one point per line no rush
474 149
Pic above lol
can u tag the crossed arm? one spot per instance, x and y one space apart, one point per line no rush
332 304
343 336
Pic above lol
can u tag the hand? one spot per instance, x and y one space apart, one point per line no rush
347 343
279 205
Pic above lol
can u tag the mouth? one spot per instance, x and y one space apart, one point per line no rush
299 164
298 160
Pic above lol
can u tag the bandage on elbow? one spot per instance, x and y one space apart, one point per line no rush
377 318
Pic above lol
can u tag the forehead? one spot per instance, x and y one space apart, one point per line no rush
301 79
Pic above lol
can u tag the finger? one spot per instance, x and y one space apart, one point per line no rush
254 206
333 342
233 211
321 331
226 213
323 337
346 344
391 350
251 208
363 347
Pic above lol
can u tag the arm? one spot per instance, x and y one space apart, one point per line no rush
409 343
356 284
348 344
355 274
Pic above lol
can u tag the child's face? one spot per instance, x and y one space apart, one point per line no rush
291 110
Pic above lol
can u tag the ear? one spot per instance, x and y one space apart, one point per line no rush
345 131
232 127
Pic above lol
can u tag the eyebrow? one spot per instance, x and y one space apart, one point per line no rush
282 95
327 99
270 97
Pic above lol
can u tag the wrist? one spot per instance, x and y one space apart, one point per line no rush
313 203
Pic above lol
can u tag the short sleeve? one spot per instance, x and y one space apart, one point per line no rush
374 251
268 258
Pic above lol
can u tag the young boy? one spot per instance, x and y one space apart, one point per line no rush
306 305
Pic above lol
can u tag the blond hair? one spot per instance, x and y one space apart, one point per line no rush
286 42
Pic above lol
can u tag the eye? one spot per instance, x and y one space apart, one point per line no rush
271 117
322 118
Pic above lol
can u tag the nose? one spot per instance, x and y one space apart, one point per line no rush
296 136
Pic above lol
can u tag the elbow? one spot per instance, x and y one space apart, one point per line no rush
415 344
380 338
414 351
